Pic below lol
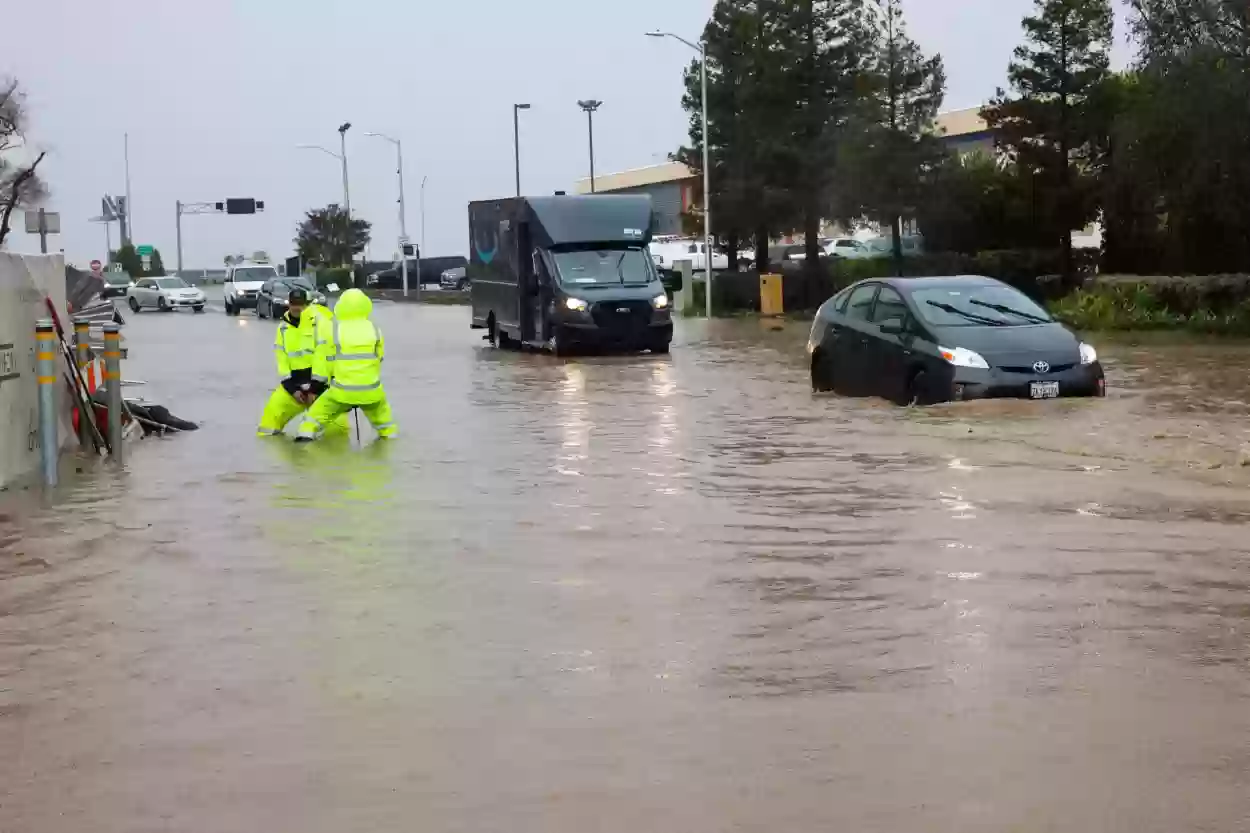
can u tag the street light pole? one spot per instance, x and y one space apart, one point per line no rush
516 141
707 166
590 106
347 198
423 179
403 227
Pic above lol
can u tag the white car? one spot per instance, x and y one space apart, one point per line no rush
848 248
243 283
164 294
665 253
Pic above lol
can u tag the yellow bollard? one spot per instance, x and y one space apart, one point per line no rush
771 298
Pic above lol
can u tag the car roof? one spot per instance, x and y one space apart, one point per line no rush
937 282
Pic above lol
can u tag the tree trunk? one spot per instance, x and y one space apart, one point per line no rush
761 249
811 232
732 243
896 229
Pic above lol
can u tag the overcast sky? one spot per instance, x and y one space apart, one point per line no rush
216 94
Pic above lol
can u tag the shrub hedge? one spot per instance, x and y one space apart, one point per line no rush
1205 304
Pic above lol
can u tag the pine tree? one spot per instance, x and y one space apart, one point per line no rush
896 146
1049 125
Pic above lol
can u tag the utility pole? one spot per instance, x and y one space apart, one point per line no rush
701 48
347 198
590 106
178 230
403 226
128 227
423 179
516 141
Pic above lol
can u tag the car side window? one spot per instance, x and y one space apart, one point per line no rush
859 305
890 307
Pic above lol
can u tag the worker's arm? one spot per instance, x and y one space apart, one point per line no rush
279 353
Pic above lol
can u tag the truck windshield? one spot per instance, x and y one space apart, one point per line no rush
603 266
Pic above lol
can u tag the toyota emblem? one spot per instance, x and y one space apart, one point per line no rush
1041 367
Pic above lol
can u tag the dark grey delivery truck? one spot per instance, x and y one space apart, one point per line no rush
567 273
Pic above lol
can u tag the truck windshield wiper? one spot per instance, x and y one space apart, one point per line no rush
620 261
980 319
1027 316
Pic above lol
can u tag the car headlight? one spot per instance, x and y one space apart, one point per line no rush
961 357
660 301
576 304
1088 354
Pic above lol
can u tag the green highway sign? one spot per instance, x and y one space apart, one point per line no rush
144 251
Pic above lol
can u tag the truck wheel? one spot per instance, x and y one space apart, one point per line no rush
660 348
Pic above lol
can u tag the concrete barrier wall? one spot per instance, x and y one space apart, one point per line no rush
25 281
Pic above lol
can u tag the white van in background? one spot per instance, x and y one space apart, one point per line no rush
666 251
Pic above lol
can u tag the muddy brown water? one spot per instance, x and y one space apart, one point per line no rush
636 594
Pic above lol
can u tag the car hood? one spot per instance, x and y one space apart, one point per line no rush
1053 342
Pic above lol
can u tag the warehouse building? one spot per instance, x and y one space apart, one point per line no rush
673 186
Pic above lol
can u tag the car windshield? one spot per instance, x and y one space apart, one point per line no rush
255 273
604 266
295 283
171 283
977 306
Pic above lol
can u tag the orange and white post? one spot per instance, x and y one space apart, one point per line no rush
113 381
45 375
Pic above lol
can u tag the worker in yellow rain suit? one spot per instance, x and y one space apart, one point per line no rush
300 329
349 363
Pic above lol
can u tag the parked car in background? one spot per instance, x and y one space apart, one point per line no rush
429 270
272 301
116 285
848 248
242 284
165 294
455 278
800 253
913 246
919 341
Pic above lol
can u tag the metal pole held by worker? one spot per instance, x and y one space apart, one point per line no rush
113 378
46 375
82 356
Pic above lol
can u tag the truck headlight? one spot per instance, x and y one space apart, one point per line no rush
660 301
576 304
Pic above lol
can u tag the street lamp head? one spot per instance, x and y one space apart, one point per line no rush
590 105
521 106
656 34
345 126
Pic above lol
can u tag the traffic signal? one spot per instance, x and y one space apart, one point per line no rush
408 250
242 205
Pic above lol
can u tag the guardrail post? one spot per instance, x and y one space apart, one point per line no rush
82 354
113 378
46 375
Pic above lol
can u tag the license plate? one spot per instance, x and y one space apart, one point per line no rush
1043 390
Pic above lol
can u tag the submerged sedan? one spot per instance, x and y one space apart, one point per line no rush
918 341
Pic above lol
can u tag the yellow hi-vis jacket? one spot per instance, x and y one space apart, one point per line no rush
350 362
294 346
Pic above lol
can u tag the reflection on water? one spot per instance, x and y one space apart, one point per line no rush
638 593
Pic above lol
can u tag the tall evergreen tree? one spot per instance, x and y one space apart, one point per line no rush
829 46
896 146
1049 125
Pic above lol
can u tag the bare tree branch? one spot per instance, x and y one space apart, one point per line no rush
14 196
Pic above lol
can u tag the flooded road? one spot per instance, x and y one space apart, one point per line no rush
636 594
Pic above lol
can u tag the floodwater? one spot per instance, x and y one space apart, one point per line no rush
636 594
